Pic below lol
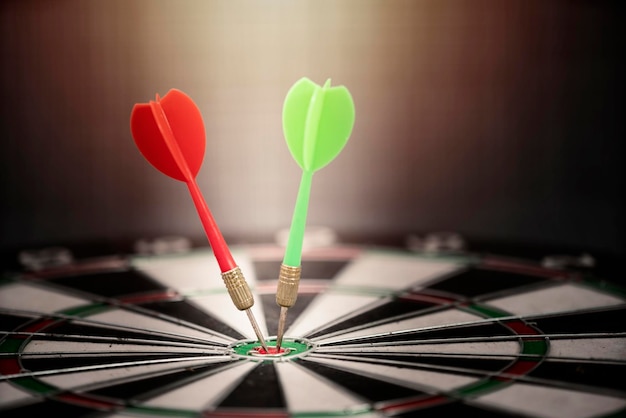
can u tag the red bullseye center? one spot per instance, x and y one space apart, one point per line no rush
272 351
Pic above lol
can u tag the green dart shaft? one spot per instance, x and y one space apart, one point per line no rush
293 251
289 276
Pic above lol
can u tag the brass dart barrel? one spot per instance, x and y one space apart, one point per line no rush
241 296
238 289
286 295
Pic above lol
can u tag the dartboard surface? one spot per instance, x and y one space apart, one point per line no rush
374 332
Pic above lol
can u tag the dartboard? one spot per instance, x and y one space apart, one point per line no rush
374 332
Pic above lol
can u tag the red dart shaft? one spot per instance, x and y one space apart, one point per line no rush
218 244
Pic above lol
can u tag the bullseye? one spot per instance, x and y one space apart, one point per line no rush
291 347
271 351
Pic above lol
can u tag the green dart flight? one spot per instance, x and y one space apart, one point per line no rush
317 122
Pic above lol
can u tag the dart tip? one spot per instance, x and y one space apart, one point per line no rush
257 330
281 326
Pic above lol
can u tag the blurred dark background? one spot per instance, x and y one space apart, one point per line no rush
499 120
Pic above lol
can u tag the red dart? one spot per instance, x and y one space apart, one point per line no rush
170 134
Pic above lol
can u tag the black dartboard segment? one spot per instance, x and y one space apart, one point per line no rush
386 333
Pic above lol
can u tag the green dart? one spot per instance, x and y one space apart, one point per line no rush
317 122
